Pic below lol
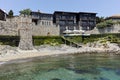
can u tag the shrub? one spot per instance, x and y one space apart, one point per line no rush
101 25
76 39
51 40
9 40
107 23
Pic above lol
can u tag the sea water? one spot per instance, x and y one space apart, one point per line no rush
64 67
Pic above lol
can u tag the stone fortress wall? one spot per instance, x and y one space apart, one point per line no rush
112 29
12 25
8 28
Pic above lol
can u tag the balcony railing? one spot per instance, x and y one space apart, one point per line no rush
35 17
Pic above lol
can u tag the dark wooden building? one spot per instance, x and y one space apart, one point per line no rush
2 15
38 16
65 19
85 20
78 20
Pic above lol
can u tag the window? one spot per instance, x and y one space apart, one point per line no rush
84 22
70 22
49 23
62 22
42 22
74 19
35 15
91 22
63 17
70 17
45 22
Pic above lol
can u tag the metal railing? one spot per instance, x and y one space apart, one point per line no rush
71 43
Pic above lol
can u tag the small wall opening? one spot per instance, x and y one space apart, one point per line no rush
35 21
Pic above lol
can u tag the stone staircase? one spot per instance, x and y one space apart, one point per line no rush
71 43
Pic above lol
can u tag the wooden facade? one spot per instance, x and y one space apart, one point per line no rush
2 15
85 20
65 19
37 16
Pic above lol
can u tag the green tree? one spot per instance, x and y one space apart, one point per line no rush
101 25
99 19
10 13
25 11
109 23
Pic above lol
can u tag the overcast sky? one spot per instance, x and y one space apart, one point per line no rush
102 7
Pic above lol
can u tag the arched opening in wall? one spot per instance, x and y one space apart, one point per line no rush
35 21
49 23
42 22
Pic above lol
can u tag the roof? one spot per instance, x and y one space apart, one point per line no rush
3 11
73 12
41 13
115 16
88 12
62 12
65 12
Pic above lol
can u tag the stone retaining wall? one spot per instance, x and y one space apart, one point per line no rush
112 29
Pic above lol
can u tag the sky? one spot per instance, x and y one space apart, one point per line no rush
103 8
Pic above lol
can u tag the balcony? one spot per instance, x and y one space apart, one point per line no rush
35 17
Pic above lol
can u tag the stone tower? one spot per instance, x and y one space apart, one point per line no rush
25 33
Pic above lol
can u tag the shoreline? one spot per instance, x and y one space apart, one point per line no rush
8 53
41 51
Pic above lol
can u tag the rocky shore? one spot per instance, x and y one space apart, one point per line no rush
8 53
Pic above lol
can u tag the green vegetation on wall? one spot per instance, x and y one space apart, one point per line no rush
37 40
51 40
9 40
56 40
95 37
108 37
76 39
